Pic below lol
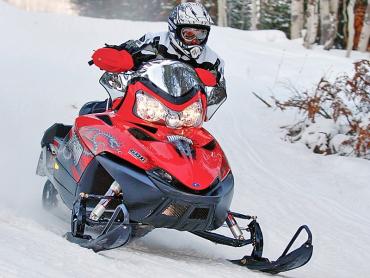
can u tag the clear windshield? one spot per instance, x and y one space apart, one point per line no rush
173 77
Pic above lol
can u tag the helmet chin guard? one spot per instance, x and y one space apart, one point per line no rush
196 51
188 15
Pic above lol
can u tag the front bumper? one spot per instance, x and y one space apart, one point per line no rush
154 202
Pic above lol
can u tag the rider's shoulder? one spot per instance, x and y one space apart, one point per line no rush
209 55
153 35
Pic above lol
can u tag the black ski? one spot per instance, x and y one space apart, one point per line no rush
287 261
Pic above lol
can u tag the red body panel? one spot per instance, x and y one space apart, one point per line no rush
197 173
207 77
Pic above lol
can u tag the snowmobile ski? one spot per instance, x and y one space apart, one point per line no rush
116 232
287 261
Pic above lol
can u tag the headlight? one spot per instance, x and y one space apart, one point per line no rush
192 115
149 108
152 110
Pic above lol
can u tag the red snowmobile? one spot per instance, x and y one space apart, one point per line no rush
141 160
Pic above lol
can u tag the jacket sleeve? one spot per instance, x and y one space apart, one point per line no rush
143 49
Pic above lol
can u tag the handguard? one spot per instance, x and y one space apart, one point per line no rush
113 60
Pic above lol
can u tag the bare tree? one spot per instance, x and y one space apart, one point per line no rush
328 22
365 32
312 23
297 17
254 15
221 14
351 26
325 22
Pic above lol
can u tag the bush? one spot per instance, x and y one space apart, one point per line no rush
335 116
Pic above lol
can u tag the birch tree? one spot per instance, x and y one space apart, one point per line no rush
325 21
254 15
365 32
312 23
328 22
221 14
334 19
297 18
351 26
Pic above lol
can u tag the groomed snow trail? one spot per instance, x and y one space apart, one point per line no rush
45 79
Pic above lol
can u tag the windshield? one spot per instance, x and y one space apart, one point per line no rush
173 77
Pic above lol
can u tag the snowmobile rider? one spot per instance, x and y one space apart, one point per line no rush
189 27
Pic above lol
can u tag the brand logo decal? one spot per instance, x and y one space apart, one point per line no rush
137 155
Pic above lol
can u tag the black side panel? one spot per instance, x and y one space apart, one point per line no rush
93 107
95 179
67 197
64 178
140 195
56 130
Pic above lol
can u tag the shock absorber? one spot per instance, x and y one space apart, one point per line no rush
114 190
234 227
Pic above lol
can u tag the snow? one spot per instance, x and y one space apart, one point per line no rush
45 79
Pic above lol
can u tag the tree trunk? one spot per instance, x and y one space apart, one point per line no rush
312 23
297 19
254 15
333 9
325 23
365 32
328 22
222 15
351 26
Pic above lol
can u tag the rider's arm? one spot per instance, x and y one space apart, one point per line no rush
143 49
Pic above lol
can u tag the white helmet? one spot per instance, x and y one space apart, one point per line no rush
189 25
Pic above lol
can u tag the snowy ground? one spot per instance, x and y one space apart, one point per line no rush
45 79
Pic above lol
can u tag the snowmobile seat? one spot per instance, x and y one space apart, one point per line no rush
56 130
93 107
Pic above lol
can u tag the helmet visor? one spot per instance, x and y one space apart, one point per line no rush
193 36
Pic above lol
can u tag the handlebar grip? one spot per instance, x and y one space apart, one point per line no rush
91 62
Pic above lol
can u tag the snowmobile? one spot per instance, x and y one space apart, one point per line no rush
141 160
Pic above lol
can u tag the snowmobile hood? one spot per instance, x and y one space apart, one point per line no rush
194 160
194 167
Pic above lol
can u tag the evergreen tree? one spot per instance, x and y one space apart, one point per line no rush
239 14
275 14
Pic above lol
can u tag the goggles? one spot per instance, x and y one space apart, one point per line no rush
193 36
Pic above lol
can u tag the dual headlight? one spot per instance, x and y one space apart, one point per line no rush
152 110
